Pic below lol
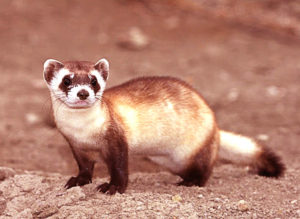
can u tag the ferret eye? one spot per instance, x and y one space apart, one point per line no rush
67 82
94 82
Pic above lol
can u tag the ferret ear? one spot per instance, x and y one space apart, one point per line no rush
50 67
103 67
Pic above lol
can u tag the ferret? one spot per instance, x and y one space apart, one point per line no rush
162 118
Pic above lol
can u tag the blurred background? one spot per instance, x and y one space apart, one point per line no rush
242 56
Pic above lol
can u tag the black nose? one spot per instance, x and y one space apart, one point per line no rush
82 94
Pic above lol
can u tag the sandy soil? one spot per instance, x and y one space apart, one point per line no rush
247 69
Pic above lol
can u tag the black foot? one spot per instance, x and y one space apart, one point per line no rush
77 181
111 189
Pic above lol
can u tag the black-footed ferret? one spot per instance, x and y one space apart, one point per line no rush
162 118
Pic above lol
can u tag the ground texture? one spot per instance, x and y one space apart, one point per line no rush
242 57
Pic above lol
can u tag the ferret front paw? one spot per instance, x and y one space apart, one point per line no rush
77 181
111 189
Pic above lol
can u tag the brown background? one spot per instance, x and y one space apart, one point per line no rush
243 57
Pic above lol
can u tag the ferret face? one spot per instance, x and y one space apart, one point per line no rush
76 84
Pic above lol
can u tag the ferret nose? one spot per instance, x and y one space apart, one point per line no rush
82 94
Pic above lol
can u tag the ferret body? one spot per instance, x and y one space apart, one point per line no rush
162 118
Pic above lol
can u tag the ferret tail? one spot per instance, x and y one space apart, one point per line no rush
245 151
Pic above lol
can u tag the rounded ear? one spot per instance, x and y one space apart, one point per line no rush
103 67
50 67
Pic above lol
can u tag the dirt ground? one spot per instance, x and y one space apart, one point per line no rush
245 65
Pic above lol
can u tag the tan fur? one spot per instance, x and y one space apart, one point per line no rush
162 118
169 126
169 129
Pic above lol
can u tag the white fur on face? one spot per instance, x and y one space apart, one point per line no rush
100 80
74 101
71 99
55 82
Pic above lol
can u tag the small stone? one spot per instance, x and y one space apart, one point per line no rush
233 95
243 206
217 199
274 91
135 40
294 201
176 198
200 196
32 118
263 137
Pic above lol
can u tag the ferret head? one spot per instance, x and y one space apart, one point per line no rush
78 84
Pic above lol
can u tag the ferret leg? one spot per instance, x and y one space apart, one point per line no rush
199 169
195 176
116 159
85 174
201 163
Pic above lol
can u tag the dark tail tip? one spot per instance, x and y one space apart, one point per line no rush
270 164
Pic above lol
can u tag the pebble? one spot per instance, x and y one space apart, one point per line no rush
243 205
135 40
263 137
233 95
217 199
274 91
32 118
200 196
176 198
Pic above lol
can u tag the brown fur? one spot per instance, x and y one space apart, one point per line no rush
114 152
201 163
79 67
49 71
140 93
144 91
268 164
160 117
101 68
116 158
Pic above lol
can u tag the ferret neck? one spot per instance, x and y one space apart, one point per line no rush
63 113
